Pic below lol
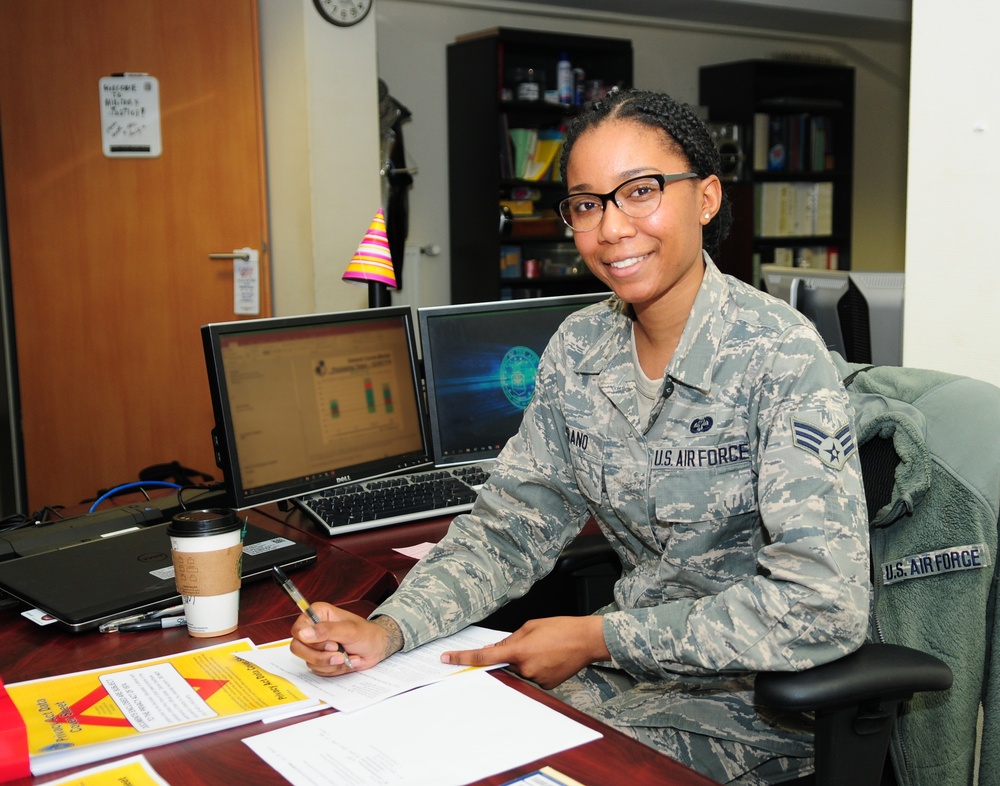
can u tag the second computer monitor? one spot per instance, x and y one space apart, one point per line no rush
859 314
479 365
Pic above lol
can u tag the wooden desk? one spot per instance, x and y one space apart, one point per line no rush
266 614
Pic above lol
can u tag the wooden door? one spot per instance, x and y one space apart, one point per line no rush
109 257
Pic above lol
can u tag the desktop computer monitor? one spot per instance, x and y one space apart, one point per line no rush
859 314
480 361
310 402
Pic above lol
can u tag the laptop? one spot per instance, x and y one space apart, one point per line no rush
88 583
480 361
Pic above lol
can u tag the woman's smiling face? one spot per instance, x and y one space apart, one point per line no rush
641 259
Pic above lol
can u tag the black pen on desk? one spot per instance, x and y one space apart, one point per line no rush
114 626
153 624
293 592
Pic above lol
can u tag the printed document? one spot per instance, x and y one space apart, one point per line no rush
402 672
451 732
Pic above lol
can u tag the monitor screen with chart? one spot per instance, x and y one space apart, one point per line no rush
310 402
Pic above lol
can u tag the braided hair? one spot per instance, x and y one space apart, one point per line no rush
685 134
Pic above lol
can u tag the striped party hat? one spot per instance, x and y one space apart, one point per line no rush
372 261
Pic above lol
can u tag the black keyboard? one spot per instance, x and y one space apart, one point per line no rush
396 499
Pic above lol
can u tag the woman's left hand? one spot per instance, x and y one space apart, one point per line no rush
546 651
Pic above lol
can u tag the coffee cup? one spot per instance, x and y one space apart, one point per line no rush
207 551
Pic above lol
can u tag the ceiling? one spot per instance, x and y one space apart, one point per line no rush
875 19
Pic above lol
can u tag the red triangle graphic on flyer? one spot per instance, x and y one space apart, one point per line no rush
76 713
206 688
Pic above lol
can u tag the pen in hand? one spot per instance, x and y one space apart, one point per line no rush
293 592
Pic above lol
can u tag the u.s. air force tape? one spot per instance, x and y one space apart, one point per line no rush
934 563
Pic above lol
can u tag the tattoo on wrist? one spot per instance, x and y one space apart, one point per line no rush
395 641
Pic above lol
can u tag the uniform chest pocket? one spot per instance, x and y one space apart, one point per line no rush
707 524
586 453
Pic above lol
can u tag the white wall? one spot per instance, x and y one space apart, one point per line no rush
321 121
952 271
321 124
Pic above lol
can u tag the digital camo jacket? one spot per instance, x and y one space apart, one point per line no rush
737 511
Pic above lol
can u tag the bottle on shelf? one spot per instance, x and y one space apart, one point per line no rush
564 79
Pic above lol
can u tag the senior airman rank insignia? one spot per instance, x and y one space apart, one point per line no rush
832 449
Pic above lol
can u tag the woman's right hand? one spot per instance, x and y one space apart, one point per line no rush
365 643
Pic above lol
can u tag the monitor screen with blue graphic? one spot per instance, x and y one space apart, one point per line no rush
480 361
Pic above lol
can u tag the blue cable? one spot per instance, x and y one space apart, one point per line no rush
125 486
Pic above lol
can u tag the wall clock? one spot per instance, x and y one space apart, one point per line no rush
343 13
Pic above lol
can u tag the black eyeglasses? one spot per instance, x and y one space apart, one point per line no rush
636 198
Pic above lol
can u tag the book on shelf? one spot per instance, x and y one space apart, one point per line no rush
783 209
812 257
534 153
801 142
519 207
520 293
506 149
510 261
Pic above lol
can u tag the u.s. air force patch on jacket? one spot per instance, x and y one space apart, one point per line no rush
832 448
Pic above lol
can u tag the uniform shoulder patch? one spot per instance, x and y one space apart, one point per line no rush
832 448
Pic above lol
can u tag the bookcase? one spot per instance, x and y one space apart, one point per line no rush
505 128
792 126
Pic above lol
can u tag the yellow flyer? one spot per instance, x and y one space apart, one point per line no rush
133 771
91 715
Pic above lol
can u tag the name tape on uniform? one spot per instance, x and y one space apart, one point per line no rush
934 563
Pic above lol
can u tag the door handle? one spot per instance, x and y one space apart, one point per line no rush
232 255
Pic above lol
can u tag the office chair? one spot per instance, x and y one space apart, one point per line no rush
856 698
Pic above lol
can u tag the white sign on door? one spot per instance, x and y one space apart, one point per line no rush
130 116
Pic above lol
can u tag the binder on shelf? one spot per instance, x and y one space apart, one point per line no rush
523 142
542 162
761 125
535 154
510 261
506 149
812 257
790 209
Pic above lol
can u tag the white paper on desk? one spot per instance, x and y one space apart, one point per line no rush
417 551
451 732
402 672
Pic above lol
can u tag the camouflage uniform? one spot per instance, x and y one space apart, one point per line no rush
737 511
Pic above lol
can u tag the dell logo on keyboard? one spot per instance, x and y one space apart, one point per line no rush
344 479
